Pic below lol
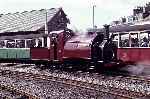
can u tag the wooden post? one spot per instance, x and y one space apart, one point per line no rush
5 43
15 43
48 42
36 42
25 43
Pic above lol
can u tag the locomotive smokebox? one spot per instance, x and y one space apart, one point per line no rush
106 33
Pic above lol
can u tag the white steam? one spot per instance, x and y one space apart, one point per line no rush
140 68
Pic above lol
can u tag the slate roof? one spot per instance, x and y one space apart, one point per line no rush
27 20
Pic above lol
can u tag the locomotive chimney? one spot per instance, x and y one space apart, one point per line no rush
106 33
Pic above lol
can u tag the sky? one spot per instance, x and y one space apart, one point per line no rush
78 11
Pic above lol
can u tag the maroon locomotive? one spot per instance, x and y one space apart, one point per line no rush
42 37
97 49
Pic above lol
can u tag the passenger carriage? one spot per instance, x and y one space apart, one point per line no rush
26 37
133 42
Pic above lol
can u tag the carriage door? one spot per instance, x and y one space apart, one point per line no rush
56 46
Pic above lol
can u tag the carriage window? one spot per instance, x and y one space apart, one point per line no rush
34 42
115 39
2 44
134 40
39 42
124 40
144 41
20 43
11 44
31 43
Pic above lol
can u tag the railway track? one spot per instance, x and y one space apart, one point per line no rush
92 84
10 92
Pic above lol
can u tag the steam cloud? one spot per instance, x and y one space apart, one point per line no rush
140 68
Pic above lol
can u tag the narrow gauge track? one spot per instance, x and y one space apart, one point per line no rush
10 92
119 94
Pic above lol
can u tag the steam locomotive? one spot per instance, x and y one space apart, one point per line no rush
97 49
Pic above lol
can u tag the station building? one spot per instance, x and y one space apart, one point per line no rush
30 28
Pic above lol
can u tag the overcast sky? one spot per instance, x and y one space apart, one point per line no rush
78 11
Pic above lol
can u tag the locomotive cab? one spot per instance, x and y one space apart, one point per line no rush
103 49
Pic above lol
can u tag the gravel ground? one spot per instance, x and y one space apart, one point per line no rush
53 90
6 94
117 82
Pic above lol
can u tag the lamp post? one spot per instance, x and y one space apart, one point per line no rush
46 24
93 18
45 38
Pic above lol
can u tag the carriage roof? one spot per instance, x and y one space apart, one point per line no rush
128 28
